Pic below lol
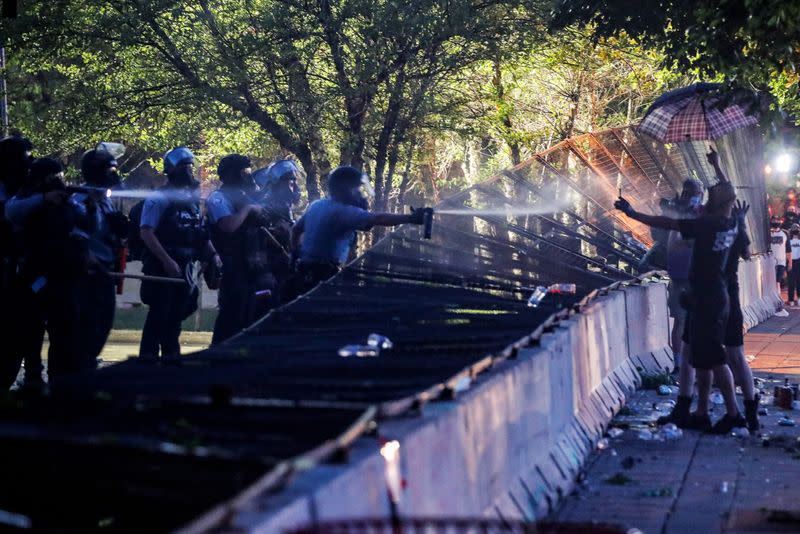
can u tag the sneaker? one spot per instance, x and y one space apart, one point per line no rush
781 313
699 422
728 423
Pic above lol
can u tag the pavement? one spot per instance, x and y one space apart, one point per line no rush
700 483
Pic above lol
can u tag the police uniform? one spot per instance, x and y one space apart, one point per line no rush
95 292
174 215
243 275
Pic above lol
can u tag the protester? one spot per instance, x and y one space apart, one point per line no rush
790 217
679 260
175 238
714 233
793 259
55 254
15 159
323 236
734 330
94 290
779 245
231 211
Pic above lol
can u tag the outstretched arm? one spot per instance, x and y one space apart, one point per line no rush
656 221
713 159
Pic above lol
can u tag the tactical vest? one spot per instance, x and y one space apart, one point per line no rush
231 246
181 232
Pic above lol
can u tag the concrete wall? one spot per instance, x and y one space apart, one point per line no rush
510 445
757 289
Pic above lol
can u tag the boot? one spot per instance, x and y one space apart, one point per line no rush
679 414
695 421
751 414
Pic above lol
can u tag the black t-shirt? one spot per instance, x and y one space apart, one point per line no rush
713 236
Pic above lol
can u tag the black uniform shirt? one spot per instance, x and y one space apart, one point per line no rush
713 238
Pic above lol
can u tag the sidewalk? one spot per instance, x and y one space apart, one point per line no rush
702 483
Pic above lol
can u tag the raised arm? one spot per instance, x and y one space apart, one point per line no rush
713 159
655 221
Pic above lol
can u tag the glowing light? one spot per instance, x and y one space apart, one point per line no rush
390 450
784 163
767 170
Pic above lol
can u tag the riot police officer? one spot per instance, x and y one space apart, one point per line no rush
279 193
95 300
54 256
15 159
175 238
231 214
324 235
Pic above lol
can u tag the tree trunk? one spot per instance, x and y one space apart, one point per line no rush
505 114
401 191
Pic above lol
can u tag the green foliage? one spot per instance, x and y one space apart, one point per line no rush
752 43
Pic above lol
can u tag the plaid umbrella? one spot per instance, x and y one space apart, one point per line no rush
693 114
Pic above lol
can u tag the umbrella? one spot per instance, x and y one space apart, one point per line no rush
693 113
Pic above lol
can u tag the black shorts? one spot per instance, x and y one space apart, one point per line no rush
734 329
706 328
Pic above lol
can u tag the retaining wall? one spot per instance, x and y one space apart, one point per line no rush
510 445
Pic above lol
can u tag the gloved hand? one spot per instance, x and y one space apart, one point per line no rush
712 157
624 206
417 215
118 223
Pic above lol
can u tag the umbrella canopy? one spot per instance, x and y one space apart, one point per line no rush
693 114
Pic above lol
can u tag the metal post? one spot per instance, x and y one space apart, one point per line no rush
4 99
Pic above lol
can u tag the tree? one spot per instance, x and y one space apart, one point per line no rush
308 73
752 43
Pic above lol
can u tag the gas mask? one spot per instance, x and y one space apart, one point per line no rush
182 177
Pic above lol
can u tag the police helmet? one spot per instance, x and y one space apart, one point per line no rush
177 156
274 172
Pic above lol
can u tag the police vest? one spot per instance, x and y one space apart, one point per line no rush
181 231
232 246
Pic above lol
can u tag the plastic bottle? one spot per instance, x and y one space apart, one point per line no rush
537 296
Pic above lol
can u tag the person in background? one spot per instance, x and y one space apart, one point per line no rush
793 260
790 218
324 235
15 160
714 233
175 238
779 246
95 291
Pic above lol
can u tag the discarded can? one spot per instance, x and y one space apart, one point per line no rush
359 351
663 389
602 444
377 340
537 296
765 440
784 395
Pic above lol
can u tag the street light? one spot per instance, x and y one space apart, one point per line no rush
784 163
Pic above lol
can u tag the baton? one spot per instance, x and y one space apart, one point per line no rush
147 278
274 240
